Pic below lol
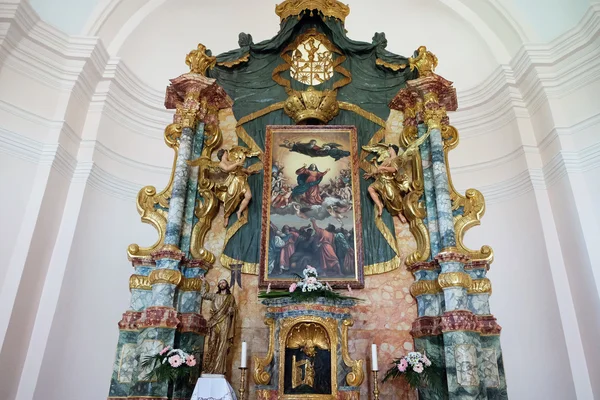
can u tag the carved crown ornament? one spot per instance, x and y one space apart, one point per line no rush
312 104
329 8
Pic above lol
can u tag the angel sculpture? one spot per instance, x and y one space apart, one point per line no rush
392 175
234 191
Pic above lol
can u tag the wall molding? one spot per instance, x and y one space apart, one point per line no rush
535 72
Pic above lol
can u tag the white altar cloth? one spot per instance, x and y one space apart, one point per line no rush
213 387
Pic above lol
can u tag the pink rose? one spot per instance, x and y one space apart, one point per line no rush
311 280
426 360
190 361
418 368
402 365
175 361
163 351
293 287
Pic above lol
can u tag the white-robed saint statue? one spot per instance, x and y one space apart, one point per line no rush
221 325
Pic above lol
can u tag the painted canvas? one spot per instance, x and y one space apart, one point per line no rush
311 206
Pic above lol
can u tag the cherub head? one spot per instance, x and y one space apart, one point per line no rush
223 153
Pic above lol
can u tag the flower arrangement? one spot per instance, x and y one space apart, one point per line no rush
417 370
308 287
169 364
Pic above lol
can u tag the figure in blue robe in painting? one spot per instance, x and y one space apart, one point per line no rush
308 184
311 149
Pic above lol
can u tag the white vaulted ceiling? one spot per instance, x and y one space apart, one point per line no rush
492 31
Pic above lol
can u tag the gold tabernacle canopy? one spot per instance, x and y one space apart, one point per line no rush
329 8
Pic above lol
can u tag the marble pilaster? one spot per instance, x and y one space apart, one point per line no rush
442 191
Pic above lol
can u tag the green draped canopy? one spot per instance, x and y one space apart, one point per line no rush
246 76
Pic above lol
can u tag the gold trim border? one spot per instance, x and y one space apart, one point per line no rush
480 286
454 279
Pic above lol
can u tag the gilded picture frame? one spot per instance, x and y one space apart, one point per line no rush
311 211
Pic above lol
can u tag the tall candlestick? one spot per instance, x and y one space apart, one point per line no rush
244 355
374 365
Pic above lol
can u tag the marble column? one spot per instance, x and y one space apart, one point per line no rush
429 193
192 187
165 307
458 325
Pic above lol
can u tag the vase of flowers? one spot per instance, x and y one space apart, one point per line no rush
307 288
169 365
417 370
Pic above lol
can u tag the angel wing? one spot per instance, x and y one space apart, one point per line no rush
245 150
381 149
206 162
413 147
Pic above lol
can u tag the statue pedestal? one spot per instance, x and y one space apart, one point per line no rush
308 351
213 386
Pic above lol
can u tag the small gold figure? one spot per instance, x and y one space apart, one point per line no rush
221 326
297 375
234 191
392 175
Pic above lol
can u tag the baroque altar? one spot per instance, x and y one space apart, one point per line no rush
373 209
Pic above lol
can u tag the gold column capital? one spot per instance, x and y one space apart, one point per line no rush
480 286
425 287
140 282
454 279
164 275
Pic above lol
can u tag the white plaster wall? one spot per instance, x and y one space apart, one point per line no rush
16 174
24 310
94 294
521 280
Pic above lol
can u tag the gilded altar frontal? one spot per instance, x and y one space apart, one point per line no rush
310 238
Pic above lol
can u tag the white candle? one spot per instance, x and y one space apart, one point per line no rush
374 365
244 355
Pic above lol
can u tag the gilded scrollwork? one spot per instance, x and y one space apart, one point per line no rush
200 60
356 376
424 61
153 206
472 204
261 376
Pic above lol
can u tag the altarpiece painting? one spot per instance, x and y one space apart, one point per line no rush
311 213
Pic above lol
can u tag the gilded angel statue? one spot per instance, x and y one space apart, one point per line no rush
234 191
392 175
